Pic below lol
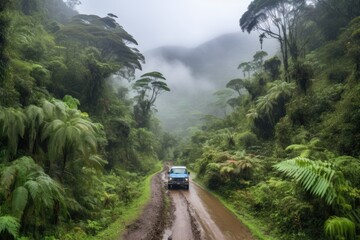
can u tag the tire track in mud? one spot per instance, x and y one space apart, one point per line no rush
198 215
154 218
184 225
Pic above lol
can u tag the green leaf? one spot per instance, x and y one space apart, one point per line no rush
315 176
9 224
19 201
340 228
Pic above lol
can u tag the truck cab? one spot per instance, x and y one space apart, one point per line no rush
178 176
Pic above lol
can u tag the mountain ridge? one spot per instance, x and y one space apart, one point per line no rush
216 59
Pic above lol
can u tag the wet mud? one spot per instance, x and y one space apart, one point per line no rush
199 215
180 214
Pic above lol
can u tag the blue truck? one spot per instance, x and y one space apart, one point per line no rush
178 176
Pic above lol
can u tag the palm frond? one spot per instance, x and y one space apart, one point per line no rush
315 176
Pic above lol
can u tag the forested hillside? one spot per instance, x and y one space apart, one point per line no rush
74 149
288 153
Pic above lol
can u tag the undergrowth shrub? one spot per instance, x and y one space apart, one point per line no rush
246 139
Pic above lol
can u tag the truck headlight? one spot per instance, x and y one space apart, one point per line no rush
186 179
170 179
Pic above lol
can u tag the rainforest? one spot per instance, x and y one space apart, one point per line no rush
81 136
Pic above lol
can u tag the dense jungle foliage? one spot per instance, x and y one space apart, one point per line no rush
288 153
74 147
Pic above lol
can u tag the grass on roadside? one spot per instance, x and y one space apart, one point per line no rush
132 212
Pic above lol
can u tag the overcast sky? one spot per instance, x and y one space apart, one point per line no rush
155 23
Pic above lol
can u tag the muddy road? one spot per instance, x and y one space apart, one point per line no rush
199 215
180 214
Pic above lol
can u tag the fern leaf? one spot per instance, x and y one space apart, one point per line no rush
340 228
9 224
315 176
33 188
296 147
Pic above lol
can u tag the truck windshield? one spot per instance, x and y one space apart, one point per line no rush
178 170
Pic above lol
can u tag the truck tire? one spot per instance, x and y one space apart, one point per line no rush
169 186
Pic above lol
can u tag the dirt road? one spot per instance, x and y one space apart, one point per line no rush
194 215
199 215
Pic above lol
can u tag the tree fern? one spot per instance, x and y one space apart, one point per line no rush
265 104
10 225
309 150
340 228
315 176
280 88
73 138
12 127
54 109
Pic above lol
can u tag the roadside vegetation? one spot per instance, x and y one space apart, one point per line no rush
76 151
288 153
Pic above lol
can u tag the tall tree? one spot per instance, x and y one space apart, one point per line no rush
236 84
246 67
277 19
105 34
149 87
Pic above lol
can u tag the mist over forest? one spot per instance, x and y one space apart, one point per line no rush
195 74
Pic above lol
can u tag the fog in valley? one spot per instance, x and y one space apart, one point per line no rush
195 74
197 46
